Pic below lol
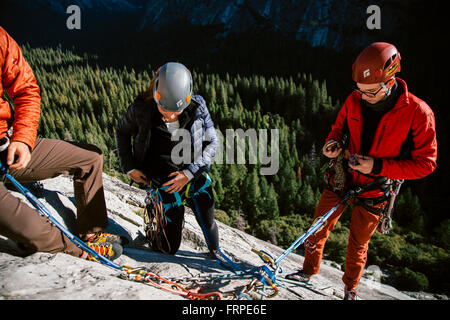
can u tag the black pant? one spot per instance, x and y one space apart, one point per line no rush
174 228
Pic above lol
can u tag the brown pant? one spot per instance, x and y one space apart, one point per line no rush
51 158
362 226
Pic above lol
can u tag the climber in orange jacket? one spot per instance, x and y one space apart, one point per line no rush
31 159
388 132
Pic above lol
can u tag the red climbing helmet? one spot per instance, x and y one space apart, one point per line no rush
377 63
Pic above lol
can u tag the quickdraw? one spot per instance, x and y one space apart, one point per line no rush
252 291
267 258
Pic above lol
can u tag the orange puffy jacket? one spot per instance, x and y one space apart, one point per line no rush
17 79
410 116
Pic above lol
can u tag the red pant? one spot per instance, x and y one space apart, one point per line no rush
362 226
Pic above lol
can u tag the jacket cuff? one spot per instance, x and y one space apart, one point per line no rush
188 174
377 166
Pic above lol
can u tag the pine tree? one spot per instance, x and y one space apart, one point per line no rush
408 212
223 95
252 194
307 199
231 183
219 192
269 201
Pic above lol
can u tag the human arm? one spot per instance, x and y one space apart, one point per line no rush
20 84
423 156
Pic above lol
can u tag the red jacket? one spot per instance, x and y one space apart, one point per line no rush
17 79
411 116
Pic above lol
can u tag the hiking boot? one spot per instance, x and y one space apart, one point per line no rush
101 237
110 250
350 294
299 276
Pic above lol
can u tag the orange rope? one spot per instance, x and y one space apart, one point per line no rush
193 294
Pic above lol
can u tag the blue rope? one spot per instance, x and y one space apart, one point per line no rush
43 211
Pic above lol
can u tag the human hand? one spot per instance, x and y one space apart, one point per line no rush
363 164
177 183
331 149
22 152
138 176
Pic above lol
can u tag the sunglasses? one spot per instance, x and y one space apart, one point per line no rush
369 93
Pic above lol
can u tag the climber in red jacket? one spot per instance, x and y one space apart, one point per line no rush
388 132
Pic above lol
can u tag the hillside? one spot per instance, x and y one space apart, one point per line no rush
317 23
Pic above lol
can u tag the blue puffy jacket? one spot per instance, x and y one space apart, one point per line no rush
133 134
